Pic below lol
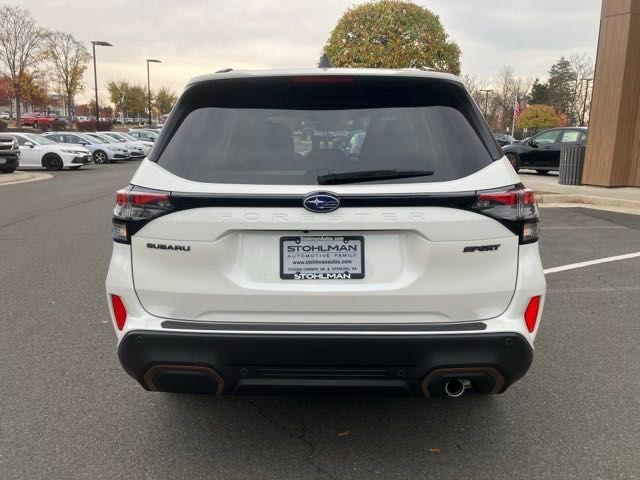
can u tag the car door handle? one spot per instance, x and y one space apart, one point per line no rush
547 148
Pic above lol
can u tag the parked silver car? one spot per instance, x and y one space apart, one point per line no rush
143 134
128 139
101 150
136 152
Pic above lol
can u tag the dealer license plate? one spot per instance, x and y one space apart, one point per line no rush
322 258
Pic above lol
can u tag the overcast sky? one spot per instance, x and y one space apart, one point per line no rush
193 37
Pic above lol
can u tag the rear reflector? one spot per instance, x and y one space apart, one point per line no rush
119 312
531 313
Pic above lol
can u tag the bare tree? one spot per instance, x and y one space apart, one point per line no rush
474 83
509 90
582 67
20 48
69 59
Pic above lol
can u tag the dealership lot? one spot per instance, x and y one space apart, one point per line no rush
69 411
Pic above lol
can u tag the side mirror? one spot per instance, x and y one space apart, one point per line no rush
82 142
533 143
29 144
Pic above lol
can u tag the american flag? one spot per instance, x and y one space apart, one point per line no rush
516 109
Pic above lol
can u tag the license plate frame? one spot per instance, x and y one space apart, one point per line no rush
317 271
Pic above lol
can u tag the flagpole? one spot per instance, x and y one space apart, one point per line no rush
513 120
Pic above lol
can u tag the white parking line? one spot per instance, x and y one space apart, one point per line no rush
588 263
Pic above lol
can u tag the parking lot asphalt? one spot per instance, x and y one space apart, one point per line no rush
68 411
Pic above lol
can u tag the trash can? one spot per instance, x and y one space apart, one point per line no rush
571 164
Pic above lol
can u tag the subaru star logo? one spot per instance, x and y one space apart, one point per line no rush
321 202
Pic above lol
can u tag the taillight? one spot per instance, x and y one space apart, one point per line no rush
119 312
531 314
515 208
136 206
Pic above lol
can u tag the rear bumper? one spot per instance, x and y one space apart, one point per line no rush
281 363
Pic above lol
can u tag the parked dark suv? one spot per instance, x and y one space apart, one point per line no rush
9 154
542 151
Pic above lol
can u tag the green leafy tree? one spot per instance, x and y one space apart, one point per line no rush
561 86
539 94
137 100
539 116
164 100
69 58
119 95
392 34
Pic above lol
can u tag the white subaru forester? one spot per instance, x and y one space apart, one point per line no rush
326 230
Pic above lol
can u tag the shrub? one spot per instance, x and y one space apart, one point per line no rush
539 116
59 125
90 126
392 34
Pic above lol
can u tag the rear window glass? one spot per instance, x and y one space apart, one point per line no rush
321 129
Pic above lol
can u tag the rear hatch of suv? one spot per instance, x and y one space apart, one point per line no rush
324 199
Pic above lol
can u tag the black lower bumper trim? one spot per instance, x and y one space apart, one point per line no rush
285 363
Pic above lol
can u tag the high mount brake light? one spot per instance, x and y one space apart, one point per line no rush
134 208
341 79
515 208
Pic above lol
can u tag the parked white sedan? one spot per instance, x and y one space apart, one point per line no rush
38 152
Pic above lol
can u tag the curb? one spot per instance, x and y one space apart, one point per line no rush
588 199
16 178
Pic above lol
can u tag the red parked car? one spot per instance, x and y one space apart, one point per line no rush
38 120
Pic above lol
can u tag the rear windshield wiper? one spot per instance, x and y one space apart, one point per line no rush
369 175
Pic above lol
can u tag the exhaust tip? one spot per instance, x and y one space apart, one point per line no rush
184 379
481 379
454 388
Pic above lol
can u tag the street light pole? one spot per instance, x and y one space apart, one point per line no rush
486 92
149 60
95 76
584 105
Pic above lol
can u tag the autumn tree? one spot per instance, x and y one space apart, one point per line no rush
21 48
539 116
6 93
164 100
90 110
69 58
34 92
392 34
